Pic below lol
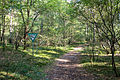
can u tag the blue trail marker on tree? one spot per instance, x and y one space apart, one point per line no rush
32 37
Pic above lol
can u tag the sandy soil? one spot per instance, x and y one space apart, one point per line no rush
68 67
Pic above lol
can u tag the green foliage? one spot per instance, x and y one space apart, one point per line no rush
22 65
102 67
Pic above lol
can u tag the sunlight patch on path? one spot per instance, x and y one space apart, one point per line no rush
63 60
78 48
69 66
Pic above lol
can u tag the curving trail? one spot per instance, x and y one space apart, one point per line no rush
68 67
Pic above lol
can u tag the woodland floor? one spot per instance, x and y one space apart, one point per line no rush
68 67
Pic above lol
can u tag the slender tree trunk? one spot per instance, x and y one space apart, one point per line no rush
24 23
3 15
10 30
3 32
0 32
93 45
25 30
86 32
16 42
70 35
41 27
27 24
113 61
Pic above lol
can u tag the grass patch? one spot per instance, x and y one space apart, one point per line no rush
23 65
101 67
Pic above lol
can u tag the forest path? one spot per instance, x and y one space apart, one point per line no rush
68 67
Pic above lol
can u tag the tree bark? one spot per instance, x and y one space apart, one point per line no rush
27 24
41 27
86 32
0 31
25 30
16 42
3 32
113 61
93 46
10 30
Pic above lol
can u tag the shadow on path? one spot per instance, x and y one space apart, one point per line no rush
68 67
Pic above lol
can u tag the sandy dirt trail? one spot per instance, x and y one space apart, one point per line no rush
68 67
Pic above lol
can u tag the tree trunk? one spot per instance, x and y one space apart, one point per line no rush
41 27
93 45
113 61
25 30
3 32
0 32
10 30
16 41
86 32
27 24
16 44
